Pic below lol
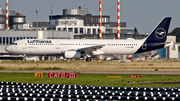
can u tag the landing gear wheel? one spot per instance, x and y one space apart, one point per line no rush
88 59
24 57
24 60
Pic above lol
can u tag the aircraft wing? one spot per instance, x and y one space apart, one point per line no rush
88 49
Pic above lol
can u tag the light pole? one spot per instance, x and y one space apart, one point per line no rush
65 19
37 15
51 16
51 20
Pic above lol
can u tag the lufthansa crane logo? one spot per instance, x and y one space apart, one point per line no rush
160 33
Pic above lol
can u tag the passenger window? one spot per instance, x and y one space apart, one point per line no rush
14 43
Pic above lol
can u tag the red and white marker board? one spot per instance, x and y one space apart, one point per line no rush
135 76
62 75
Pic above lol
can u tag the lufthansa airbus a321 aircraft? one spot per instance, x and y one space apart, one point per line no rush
77 48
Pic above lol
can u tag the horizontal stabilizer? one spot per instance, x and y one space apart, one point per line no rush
164 43
169 44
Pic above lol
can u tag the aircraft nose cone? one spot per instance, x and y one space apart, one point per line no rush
7 49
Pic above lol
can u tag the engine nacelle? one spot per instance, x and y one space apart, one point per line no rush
72 54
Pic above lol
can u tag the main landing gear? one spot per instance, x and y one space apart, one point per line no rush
86 56
88 59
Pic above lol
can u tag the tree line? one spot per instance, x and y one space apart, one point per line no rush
176 32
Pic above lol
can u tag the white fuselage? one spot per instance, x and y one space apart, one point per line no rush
59 46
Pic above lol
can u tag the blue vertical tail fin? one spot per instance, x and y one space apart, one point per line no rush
159 34
157 37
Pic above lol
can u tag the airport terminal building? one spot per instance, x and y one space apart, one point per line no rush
75 24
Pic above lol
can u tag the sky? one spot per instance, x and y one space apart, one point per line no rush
142 14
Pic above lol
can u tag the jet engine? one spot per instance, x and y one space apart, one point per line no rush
72 54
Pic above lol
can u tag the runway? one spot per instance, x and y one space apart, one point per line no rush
97 72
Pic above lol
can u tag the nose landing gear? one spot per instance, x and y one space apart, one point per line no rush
24 57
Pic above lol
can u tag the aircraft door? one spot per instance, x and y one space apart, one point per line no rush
24 44
57 45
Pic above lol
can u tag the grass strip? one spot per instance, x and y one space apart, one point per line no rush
146 65
95 80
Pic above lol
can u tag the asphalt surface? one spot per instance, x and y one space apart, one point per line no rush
97 72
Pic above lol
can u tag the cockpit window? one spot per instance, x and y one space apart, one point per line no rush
14 43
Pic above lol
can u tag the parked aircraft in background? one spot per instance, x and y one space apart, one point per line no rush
77 48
